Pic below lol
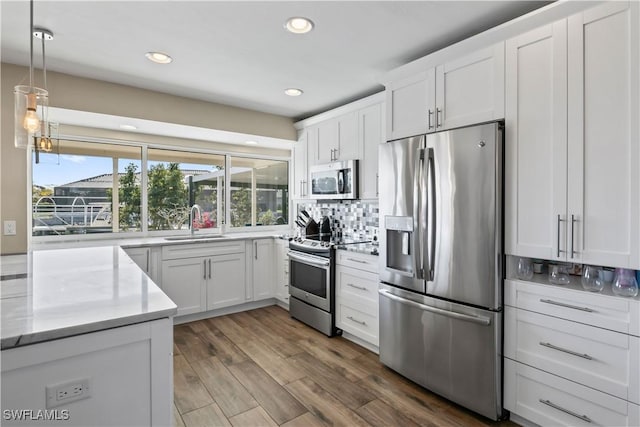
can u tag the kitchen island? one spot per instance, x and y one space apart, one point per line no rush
86 339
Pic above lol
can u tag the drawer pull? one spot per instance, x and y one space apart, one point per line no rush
564 350
357 260
357 321
566 411
362 288
575 307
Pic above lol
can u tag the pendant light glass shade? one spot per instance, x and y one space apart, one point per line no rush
31 114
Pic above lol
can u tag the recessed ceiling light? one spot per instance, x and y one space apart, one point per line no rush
298 25
292 91
251 142
128 127
158 57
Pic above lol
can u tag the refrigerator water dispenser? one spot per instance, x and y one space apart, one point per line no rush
399 238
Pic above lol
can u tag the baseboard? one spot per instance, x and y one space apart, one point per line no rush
360 342
522 421
223 311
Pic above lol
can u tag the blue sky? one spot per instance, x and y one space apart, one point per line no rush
57 170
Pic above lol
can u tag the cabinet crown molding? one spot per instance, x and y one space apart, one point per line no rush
343 109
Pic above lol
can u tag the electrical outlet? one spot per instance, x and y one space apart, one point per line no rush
10 228
67 392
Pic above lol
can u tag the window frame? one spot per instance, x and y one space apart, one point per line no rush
144 208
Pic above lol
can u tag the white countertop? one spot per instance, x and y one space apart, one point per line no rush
51 294
129 242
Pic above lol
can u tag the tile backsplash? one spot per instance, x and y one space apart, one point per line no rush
357 219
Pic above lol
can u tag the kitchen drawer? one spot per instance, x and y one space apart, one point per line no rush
598 358
202 249
357 260
357 284
608 312
359 323
549 400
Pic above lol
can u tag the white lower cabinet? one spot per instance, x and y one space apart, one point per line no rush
148 259
357 295
549 400
201 277
282 271
262 263
571 357
226 281
184 281
129 370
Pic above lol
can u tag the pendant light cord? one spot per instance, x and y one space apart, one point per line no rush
44 63
31 46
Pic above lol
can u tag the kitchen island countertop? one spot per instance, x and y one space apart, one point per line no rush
52 294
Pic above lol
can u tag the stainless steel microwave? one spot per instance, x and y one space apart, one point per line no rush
337 180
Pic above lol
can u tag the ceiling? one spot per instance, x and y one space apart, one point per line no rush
237 52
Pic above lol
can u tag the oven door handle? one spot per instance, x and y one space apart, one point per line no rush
308 260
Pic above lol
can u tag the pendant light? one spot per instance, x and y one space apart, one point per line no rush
31 126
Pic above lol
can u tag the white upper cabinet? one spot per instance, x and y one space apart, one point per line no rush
536 141
470 89
300 180
349 132
410 105
370 136
572 142
603 135
337 139
459 92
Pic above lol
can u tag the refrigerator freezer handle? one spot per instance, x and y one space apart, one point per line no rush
486 321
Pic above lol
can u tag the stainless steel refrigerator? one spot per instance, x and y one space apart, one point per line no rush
441 263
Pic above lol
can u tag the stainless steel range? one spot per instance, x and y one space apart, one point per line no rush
312 281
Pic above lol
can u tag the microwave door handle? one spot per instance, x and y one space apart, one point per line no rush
417 216
431 166
340 181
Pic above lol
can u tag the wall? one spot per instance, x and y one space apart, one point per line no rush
108 98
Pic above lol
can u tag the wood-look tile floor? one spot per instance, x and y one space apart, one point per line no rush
262 368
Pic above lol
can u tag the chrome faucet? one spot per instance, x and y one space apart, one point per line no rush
191 217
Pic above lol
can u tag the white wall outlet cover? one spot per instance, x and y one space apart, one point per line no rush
67 392
10 228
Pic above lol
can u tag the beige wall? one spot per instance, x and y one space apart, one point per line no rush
101 97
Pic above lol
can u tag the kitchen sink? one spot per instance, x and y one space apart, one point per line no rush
195 237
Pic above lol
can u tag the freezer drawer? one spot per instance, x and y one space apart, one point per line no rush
450 349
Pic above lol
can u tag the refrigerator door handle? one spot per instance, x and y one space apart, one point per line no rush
417 229
486 321
431 167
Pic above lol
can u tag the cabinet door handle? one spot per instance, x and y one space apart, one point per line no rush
438 117
362 288
209 268
430 115
574 307
564 350
255 249
357 260
148 250
363 323
573 221
377 184
204 265
566 411
558 241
